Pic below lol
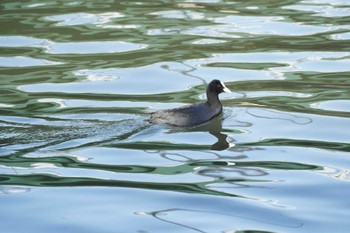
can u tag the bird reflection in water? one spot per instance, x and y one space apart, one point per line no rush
214 127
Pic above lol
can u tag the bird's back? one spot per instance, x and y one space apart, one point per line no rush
186 116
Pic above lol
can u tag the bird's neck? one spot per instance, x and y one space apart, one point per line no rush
213 99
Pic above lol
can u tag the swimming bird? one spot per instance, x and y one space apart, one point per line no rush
194 114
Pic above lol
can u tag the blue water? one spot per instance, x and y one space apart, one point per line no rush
78 81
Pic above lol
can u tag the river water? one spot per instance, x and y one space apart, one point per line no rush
80 78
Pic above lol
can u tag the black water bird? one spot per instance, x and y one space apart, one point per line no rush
194 114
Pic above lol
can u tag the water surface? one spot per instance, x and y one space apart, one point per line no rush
78 81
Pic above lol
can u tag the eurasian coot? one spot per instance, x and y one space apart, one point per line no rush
194 114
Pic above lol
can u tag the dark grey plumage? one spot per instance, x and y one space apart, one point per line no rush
194 114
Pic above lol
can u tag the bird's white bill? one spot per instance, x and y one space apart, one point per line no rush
225 88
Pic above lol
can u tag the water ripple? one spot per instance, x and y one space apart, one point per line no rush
20 61
84 18
79 79
89 47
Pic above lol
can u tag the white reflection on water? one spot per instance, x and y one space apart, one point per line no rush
83 18
254 25
125 81
21 61
208 41
6 105
321 10
326 2
341 36
78 47
177 14
322 65
203 1
184 75
101 20
34 5
274 93
13 190
72 103
296 61
333 105
92 116
23 41
233 26
336 173
92 47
